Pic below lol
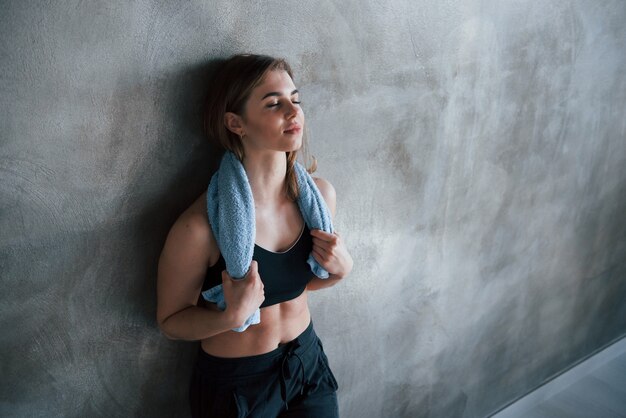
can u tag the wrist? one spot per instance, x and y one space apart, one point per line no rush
233 318
335 276
340 275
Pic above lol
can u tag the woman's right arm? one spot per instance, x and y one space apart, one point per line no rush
181 270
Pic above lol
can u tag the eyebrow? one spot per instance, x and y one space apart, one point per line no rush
275 93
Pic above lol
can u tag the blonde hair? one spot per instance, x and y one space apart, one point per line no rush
229 90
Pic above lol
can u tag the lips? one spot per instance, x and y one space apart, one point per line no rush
293 129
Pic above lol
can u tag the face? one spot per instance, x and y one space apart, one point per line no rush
272 119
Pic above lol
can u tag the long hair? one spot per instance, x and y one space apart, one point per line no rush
229 90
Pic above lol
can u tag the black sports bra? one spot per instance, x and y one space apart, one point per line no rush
284 274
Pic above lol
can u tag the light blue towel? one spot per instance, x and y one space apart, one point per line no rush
230 206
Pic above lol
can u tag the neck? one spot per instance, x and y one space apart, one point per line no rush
266 174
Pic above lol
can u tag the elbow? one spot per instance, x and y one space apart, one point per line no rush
168 336
162 323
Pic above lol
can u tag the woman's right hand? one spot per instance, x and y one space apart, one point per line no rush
243 296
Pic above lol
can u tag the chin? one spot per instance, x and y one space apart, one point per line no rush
295 147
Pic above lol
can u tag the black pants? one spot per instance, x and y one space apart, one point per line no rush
293 380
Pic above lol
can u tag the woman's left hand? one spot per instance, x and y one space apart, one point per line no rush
330 252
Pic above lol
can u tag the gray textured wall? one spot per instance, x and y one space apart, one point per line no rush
478 149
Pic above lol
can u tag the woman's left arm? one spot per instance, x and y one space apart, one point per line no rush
329 250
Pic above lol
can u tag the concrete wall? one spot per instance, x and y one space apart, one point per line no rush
478 149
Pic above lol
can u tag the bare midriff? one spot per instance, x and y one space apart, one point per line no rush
280 324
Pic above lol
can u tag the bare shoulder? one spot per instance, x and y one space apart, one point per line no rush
191 234
328 192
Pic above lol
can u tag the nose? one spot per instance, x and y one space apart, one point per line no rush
292 110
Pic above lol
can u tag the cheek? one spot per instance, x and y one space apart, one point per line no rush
261 125
265 122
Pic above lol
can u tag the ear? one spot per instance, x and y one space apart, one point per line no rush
233 123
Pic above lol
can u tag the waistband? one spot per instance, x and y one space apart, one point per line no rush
245 366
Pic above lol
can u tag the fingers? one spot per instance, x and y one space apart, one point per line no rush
323 254
319 248
318 255
326 240
253 270
321 233
225 277
326 246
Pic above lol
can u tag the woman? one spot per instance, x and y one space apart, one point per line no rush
277 367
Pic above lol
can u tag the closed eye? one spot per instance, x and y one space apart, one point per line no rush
278 104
